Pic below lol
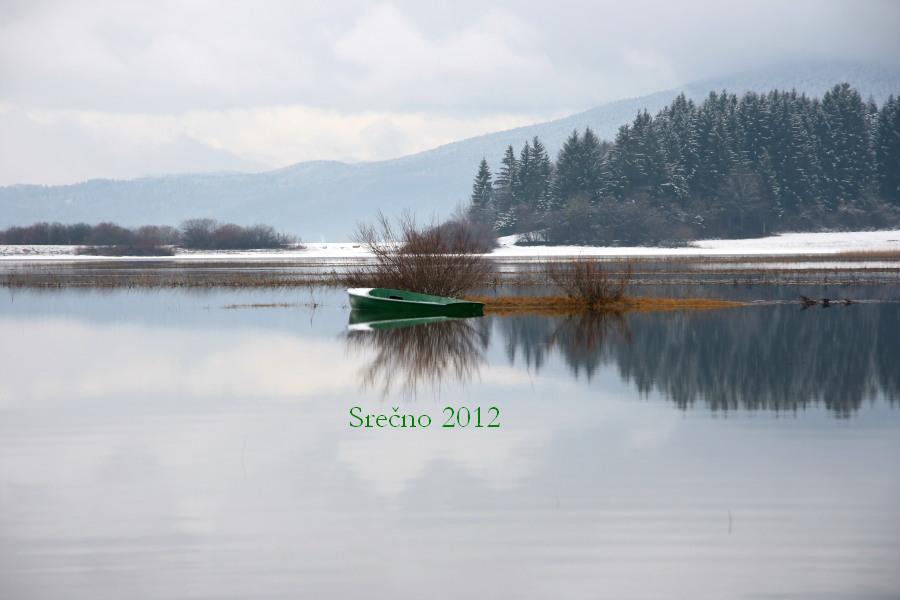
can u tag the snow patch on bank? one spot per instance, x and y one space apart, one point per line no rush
776 245
782 244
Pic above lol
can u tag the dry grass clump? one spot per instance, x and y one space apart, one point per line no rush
423 260
891 254
588 282
157 275
126 250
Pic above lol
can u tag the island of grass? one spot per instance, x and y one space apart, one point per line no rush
589 287
567 305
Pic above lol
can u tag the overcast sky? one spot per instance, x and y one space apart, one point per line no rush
121 89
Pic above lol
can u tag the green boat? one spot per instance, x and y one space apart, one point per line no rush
400 302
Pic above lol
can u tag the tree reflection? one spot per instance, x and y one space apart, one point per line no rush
416 354
756 358
587 340
771 358
583 340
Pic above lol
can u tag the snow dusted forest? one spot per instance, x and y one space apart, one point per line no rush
728 166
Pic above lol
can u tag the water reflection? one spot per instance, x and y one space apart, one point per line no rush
413 354
155 446
773 358
585 341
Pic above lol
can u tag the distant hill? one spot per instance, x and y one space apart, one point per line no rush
324 199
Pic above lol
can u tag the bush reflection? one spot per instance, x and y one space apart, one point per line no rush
412 355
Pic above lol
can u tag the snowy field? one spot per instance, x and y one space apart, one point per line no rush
788 244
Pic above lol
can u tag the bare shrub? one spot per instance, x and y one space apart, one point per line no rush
46 234
207 234
197 233
149 240
156 235
110 234
417 259
587 280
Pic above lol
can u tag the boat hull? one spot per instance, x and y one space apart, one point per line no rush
401 302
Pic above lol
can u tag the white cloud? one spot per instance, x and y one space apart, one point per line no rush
85 144
284 81
124 361
501 459
396 60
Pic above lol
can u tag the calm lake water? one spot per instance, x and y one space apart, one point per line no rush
167 444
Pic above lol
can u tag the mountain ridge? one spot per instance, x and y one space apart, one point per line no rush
325 198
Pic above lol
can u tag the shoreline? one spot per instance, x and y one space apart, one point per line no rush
784 245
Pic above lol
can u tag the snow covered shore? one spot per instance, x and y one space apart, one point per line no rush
788 244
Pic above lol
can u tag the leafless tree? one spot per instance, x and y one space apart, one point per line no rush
586 279
419 259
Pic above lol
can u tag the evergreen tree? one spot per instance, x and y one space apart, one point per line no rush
845 142
482 193
715 147
505 184
726 166
674 180
525 179
615 176
678 137
887 150
507 178
566 184
754 117
542 174
579 168
592 154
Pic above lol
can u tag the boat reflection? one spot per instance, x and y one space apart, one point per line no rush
412 354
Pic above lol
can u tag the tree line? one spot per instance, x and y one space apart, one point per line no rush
728 166
201 234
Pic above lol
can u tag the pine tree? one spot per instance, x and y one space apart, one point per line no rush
674 182
845 141
566 184
482 194
509 171
715 147
753 114
735 165
592 154
505 186
522 191
615 176
678 138
542 173
887 150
